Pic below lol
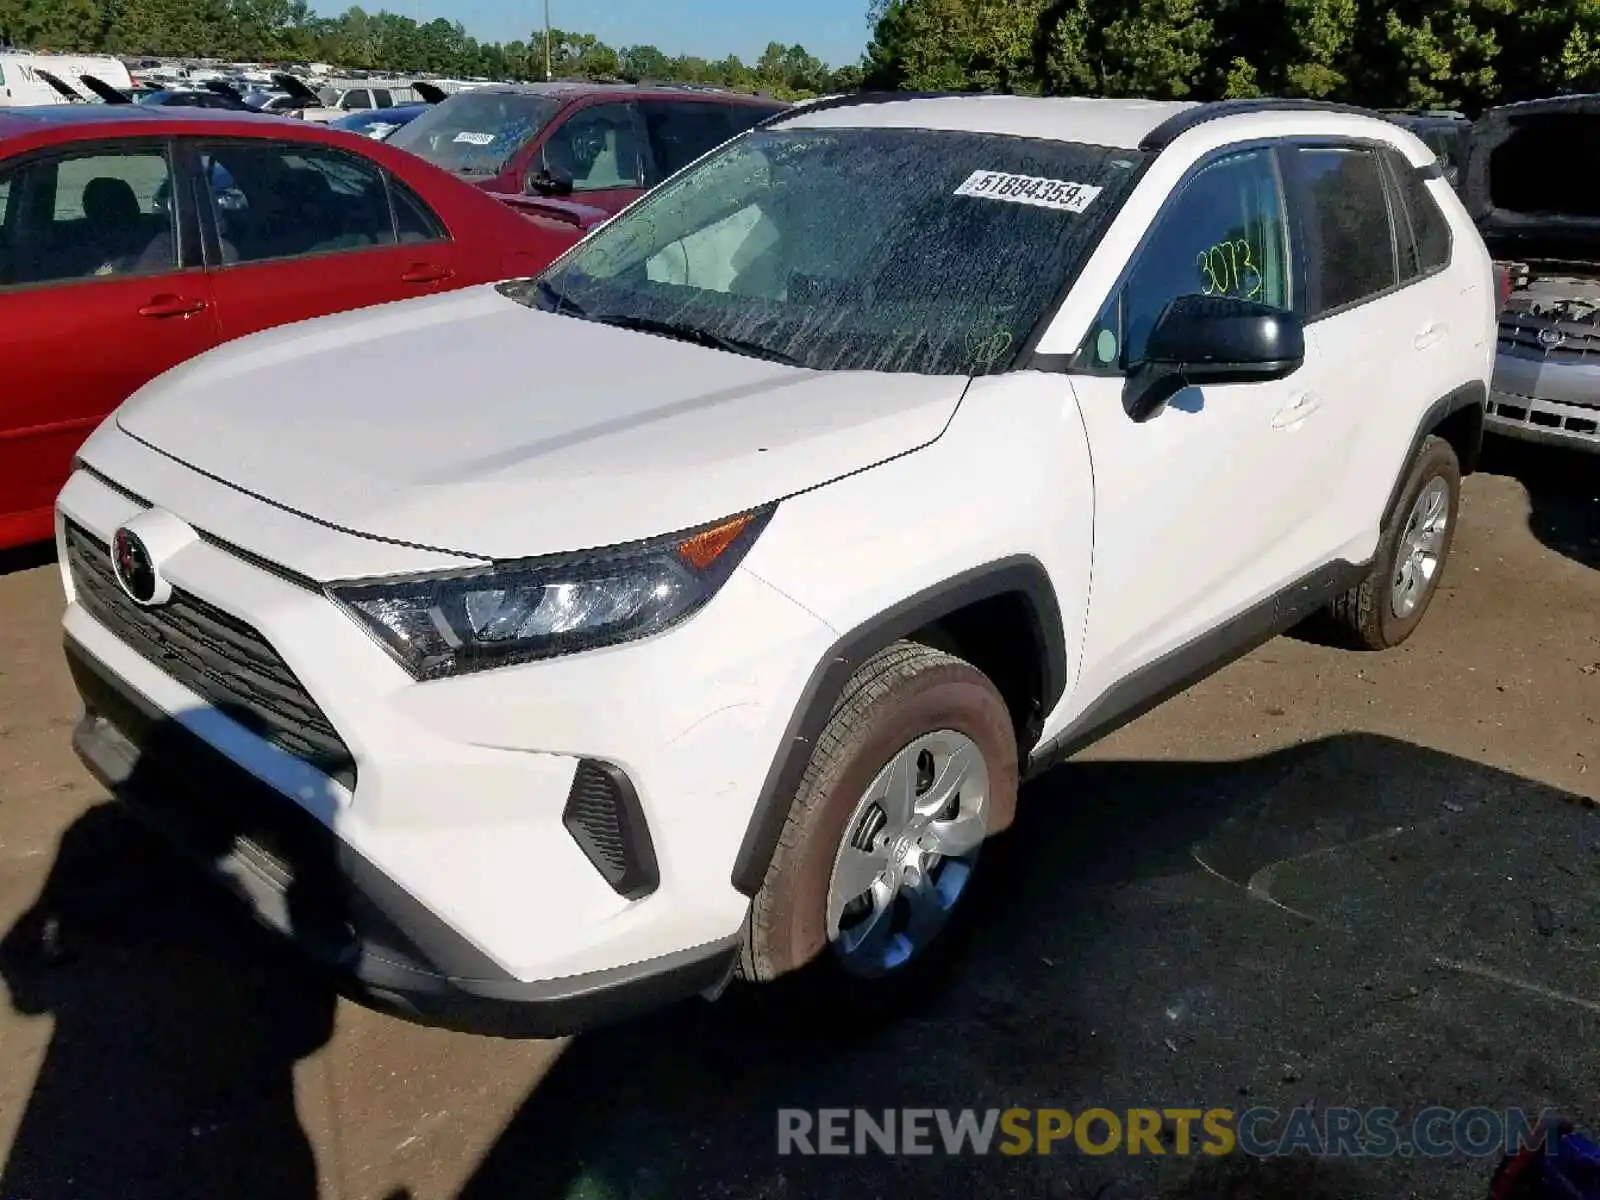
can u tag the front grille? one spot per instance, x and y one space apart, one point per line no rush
1519 332
217 656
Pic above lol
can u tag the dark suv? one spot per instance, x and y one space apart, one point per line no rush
1447 134
602 145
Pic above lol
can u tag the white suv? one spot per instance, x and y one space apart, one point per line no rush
547 651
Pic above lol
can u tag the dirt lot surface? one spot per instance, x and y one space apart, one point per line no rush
1363 880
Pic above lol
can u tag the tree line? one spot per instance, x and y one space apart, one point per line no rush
287 31
1465 54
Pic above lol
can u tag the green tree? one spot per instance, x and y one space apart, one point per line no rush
955 45
644 62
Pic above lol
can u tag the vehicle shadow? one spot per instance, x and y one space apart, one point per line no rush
1563 490
27 558
1126 953
176 1020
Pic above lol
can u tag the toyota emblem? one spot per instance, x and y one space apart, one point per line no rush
135 570
1552 339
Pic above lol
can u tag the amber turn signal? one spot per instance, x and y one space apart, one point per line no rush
705 547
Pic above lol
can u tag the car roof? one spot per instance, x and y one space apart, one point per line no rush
68 123
573 89
1121 124
1099 122
15 122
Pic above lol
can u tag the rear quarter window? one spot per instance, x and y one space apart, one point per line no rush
414 220
1427 249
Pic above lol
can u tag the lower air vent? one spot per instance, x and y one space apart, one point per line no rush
604 817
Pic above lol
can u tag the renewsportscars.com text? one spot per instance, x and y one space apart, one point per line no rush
1181 1132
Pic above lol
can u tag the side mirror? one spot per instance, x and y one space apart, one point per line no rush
1200 340
545 182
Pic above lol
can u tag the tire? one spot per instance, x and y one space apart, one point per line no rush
1369 616
904 697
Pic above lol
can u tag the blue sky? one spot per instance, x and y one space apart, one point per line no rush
834 30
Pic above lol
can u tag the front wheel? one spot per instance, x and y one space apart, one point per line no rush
918 765
1385 608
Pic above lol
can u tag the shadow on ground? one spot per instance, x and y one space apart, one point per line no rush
26 558
176 1021
1353 921
177 1025
1563 490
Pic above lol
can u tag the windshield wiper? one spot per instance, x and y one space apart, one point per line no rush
694 335
558 301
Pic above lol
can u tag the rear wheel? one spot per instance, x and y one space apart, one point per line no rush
916 768
1386 607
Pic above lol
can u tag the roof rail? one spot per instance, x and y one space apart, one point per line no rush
851 99
1164 134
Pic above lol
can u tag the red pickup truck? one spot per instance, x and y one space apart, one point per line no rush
570 155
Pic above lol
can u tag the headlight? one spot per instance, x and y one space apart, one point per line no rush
462 621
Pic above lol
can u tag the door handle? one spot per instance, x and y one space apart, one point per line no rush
1431 336
172 306
1297 410
427 273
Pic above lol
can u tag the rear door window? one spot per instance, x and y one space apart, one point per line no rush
680 131
598 148
1351 247
274 201
88 216
382 99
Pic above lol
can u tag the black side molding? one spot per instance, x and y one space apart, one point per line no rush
1467 396
1164 134
1021 574
1180 669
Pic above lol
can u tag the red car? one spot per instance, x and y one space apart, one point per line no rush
602 145
133 238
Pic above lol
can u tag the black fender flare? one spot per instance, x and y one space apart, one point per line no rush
1019 574
1469 395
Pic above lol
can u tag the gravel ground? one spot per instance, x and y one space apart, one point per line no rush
1318 877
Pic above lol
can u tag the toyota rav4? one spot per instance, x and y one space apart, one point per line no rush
557 648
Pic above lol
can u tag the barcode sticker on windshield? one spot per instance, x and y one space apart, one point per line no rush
1029 189
476 139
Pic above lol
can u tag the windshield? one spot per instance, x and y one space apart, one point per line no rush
852 249
476 133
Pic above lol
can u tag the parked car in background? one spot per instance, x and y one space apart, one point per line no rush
1446 132
279 103
24 78
379 124
693 609
1539 212
341 99
602 145
106 281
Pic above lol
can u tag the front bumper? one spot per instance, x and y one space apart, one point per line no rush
1545 400
451 831
297 878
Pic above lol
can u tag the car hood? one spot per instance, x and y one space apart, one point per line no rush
471 424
